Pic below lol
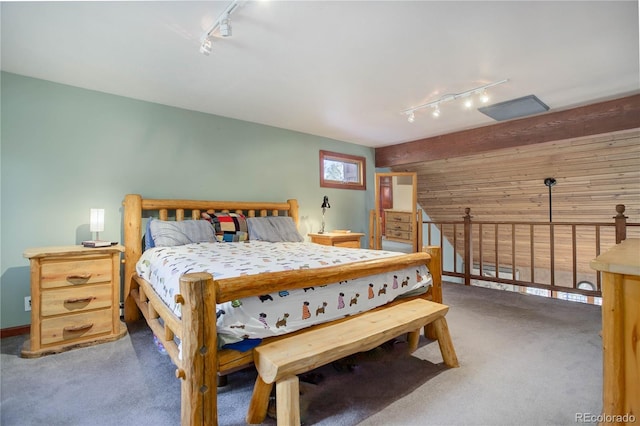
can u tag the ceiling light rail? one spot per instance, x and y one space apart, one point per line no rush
222 25
481 91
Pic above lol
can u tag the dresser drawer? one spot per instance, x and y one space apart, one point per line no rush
398 217
398 226
61 273
75 326
76 299
400 235
349 244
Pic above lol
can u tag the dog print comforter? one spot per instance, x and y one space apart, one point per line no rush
281 312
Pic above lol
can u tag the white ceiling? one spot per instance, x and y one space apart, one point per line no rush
338 69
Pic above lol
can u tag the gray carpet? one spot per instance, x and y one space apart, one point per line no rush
524 360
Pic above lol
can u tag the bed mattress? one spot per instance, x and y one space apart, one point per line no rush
285 311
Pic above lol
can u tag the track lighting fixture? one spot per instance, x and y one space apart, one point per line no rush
481 92
222 25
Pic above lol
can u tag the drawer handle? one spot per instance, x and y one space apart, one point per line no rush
398 227
78 277
80 300
78 328
397 219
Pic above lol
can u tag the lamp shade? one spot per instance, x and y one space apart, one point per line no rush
325 203
96 220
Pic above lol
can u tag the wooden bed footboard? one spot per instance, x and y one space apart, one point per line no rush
200 362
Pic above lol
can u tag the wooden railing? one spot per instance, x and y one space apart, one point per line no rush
553 256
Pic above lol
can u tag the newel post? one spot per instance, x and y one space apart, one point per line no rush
621 224
467 246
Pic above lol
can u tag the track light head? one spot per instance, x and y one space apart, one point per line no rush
225 26
411 117
484 97
206 46
436 111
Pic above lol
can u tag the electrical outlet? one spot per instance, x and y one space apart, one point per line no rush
27 303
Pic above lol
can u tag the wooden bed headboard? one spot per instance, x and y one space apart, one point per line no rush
137 208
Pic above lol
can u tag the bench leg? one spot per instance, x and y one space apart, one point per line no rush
444 340
413 338
429 332
288 401
259 402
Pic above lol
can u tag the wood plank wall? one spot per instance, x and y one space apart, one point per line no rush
593 174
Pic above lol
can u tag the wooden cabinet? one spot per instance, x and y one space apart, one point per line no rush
620 267
75 298
396 217
338 239
399 226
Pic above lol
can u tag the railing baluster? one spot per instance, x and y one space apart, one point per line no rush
532 253
598 274
455 245
441 246
497 261
574 253
513 251
467 246
480 251
552 260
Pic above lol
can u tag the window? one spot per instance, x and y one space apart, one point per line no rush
572 297
538 291
342 171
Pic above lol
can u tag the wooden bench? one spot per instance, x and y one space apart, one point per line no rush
280 361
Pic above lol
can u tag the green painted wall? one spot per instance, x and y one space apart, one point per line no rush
65 150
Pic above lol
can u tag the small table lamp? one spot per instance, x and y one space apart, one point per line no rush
325 205
96 224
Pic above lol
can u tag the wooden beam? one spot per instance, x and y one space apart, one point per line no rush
604 117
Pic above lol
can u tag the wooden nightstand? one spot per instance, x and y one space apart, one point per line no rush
341 239
75 298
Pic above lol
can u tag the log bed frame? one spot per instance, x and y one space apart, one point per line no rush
202 363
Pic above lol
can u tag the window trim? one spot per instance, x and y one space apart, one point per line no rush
345 158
